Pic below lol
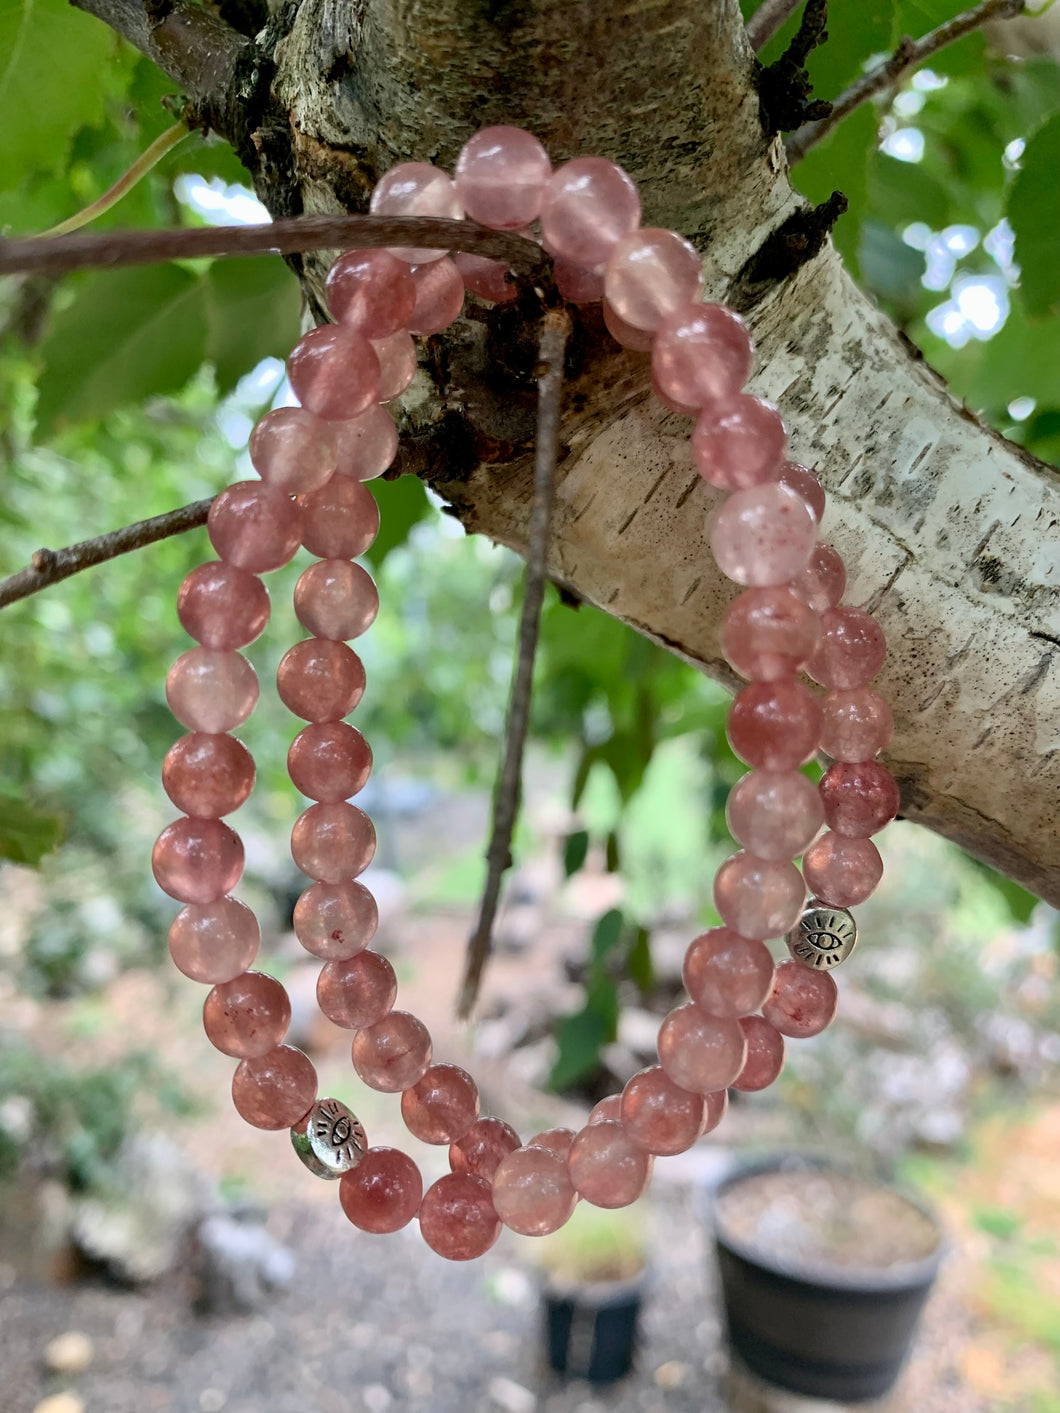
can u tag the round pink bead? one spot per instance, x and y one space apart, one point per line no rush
842 872
637 339
211 691
340 520
532 1191
255 525
222 607
758 897
329 761
383 1192
214 942
556 1140
276 1089
668 402
701 1053
334 372
370 291
246 1016
851 650
775 725
764 536
484 277
392 1054
824 580
738 442
208 776
578 285
336 599
716 1106
416 189
609 1108
658 1116
765 1054
365 446
651 273
333 843
859 798
855 725
457 1217
803 1001
320 679
701 353
606 1167
197 860
293 450
442 1106
355 992
481 1148
335 920
769 633
439 296
803 482
500 177
397 366
774 814
727 975
588 206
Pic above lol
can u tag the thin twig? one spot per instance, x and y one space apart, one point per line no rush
907 56
554 334
148 159
767 19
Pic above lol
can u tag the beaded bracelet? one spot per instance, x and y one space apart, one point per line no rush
312 461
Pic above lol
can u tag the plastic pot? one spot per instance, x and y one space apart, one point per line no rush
591 1330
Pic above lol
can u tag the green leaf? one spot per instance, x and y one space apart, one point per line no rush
639 967
889 267
1019 361
580 1039
1019 902
840 163
402 503
1034 213
607 934
856 33
575 850
26 834
252 313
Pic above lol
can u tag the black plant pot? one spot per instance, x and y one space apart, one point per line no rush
591 1330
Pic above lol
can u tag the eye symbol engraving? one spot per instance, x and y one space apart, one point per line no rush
340 1133
824 941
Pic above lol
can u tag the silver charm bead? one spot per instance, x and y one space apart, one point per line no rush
823 937
330 1140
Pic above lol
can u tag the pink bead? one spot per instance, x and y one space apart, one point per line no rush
859 798
357 991
824 580
606 1167
764 536
214 942
197 860
500 177
329 761
484 277
397 365
851 650
333 843
293 450
716 1106
775 725
803 1001
320 680
769 633
701 353
334 372
208 776
651 273
588 206
442 1106
667 401
842 872
255 525
855 725
439 296
365 446
774 814
276 1089
578 285
758 897
532 1191
457 1217
336 599
727 975
701 1053
211 691
246 1016
383 1192
415 189
739 442
765 1054
482 1147
637 339
340 520
803 482
370 291
392 1054
658 1116
222 607
556 1140
609 1108
335 920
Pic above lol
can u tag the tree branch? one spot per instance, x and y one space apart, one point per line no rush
907 56
767 20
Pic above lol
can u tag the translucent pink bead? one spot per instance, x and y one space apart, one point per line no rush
851 650
824 580
320 679
329 761
637 339
651 273
556 1140
484 277
842 872
500 177
532 1191
333 843
701 353
457 1217
255 525
335 920
764 536
340 520
588 206
365 446
765 1054
246 1016
803 1001
769 633
701 1053
669 403
276 1089
439 296
211 691
855 725
397 365
803 482
392 1054
658 1116
716 1106
214 942
357 991
609 1108
606 1167
415 189
859 798
442 1106
774 814
293 450
774 725
197 860
222 607
727 975
738 442
208 776
370 291
334 372
758 897
576 284
336 599
383 1192
482 1147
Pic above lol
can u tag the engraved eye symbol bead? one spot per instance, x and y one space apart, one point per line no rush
823 937
330 1140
